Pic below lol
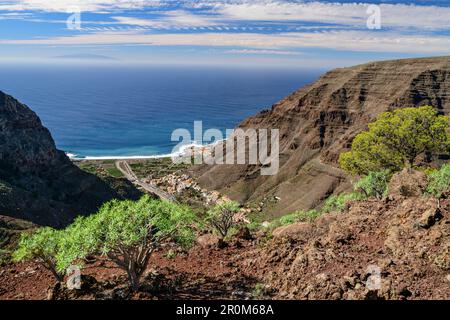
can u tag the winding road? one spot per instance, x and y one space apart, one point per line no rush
126 170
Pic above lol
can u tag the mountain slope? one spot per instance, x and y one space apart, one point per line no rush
319 121
403 240
39 183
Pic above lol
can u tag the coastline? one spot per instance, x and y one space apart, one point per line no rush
102 158
184 151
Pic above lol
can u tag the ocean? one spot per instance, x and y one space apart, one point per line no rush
118 111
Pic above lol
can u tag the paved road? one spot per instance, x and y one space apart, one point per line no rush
126 170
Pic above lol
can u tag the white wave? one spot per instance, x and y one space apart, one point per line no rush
121 157
184 150
71 155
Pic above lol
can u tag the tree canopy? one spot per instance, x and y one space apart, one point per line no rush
396 139
125 232
42 245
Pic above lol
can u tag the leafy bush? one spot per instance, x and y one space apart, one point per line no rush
289 219
221 217
254 225
79 240
396 139
338 202
273 225
258 291
44 246
375 184
299 216
171 254
439 181
127 232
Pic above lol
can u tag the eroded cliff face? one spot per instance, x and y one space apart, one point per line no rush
39 183
34 153
319 121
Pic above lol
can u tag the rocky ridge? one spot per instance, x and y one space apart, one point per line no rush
319 121
38 182
398 248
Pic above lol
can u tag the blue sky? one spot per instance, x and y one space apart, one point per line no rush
230 32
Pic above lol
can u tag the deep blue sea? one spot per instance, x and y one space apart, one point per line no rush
131 111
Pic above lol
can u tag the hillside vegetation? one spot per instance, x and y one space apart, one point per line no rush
394 223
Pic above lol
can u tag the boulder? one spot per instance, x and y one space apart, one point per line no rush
408 183
429 218
297 231
208 240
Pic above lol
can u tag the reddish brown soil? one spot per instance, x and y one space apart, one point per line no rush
201 273
24 281
407 239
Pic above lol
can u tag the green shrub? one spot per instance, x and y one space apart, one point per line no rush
221 217
44 246
254 225
375 184
79 240
171 254
338 202
439 181
114 172
258 291
127 232
299 216
396 139
289 219
274 224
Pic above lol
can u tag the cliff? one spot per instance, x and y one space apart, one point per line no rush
319 121
38 183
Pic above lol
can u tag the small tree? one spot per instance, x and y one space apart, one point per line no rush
221 217
396 139
127 232
43 245
375 184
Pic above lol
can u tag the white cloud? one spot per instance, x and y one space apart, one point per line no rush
339 40
188 19
392 15
135 21
264 52
226 17
348 14
83 5
15 16
169 19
